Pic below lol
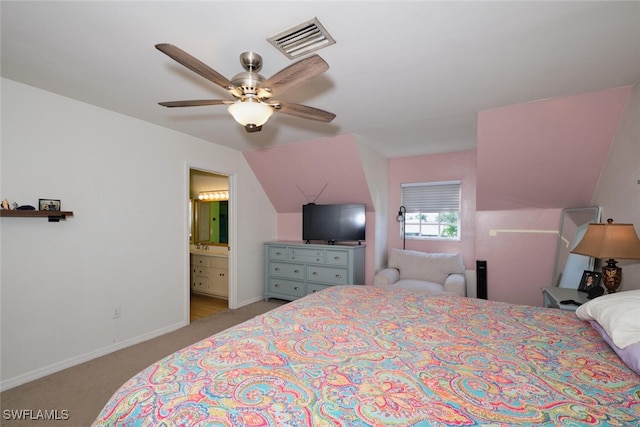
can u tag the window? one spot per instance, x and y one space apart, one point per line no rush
432 209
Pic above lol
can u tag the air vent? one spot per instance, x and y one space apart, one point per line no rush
302 39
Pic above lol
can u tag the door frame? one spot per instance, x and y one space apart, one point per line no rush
232 178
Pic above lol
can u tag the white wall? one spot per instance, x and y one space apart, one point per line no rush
618 190
126 245
376 171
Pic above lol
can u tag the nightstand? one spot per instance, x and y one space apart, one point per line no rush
551 297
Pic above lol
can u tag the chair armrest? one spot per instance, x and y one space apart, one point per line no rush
456 283
386 277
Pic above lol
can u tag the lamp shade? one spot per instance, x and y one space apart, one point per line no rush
618 241
250 112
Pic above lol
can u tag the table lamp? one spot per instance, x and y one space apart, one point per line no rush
609 241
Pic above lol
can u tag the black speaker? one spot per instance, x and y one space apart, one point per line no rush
481 278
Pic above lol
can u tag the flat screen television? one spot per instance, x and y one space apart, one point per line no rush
333 223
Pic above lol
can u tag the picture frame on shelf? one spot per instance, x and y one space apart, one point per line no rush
49 204
589 281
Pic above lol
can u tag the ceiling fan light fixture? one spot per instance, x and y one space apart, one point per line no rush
250 112
252 91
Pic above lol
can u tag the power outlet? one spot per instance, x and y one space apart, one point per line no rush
117 312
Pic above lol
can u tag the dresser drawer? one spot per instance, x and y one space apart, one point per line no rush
312 288
311 256
287 287
278 253
337 257
333 275
290 271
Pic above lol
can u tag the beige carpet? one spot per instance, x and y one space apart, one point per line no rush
80 392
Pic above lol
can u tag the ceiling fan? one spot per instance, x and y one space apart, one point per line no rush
254 104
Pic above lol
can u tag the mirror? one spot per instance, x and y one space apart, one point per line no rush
569 267
208 208
210 222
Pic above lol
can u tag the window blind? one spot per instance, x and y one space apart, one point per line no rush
442 196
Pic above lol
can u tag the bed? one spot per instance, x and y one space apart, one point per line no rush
365 356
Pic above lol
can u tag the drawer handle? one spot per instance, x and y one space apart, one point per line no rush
296 271
315 273
221 274
278 253
277 285
337 258
295 288
277 269
314 291
338 276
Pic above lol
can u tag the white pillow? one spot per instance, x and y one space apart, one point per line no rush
618 314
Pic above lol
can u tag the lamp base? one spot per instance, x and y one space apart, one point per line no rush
611 275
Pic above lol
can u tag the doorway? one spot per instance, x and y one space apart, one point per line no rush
208 243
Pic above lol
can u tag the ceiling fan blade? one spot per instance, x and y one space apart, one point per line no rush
195 103
295 75
304 111
195 65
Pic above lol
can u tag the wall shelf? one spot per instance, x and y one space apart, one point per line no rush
54 216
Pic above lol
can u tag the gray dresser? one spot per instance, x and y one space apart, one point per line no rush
293 270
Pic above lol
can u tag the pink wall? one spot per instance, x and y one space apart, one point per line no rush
533 160
546 154
520 248
290 227
459 165
290 172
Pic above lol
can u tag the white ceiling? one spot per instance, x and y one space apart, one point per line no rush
407 77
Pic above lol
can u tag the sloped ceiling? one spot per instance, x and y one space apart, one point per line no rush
323 171
546 154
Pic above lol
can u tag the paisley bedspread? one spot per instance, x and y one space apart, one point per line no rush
363 356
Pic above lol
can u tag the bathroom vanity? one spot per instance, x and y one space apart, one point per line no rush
210 271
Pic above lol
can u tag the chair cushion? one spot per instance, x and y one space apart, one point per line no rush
420 285
432 267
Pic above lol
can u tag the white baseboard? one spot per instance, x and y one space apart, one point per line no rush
73 361
250 301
